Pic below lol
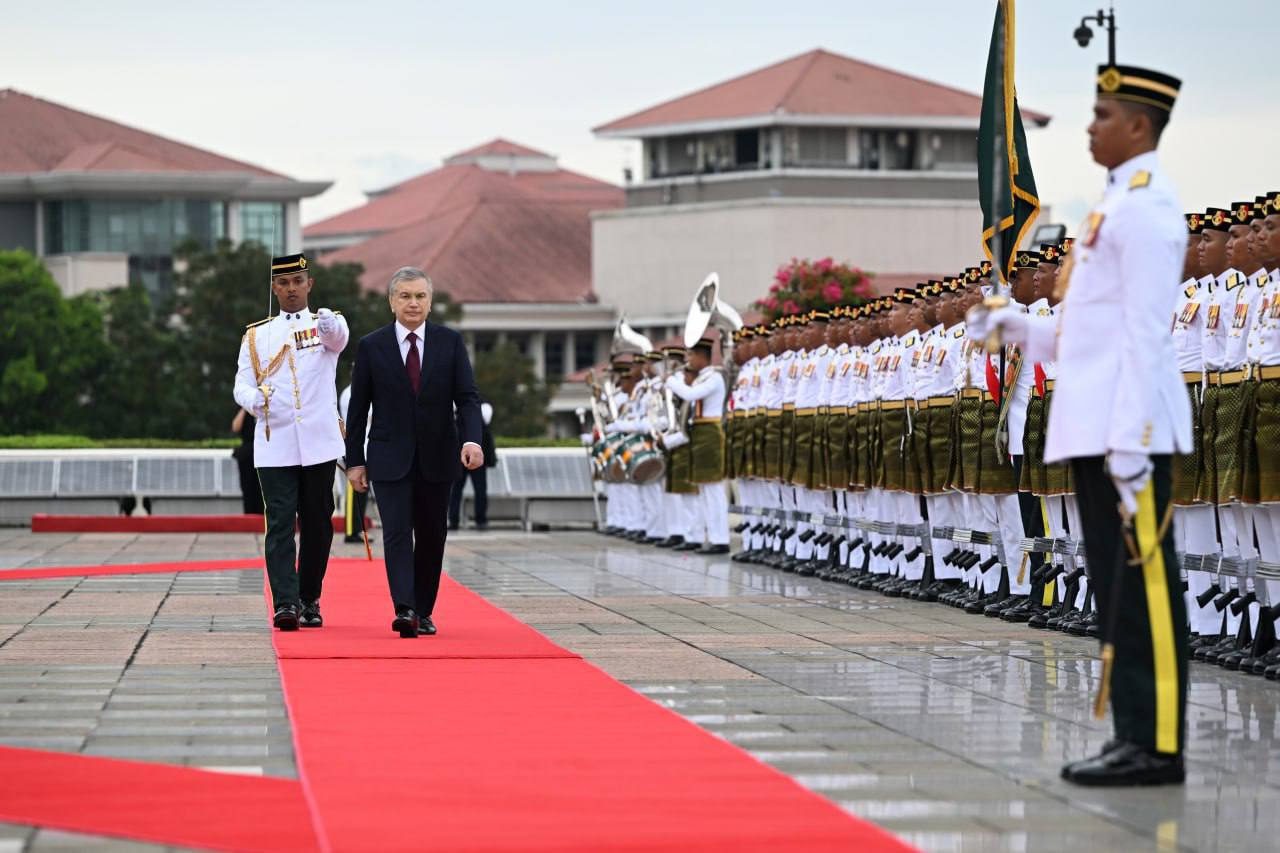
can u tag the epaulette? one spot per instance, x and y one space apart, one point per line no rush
1191 290
1140 179
259 323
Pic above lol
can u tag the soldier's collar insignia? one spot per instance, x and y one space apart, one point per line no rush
1233 281
1140 179
1191 290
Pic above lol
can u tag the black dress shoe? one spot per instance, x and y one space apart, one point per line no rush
311 617
406 623
713 549
1127 764
686 546
286 618
426 627
671 542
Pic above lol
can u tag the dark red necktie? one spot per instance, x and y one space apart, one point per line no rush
413 362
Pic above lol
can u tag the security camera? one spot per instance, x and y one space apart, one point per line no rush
1083 35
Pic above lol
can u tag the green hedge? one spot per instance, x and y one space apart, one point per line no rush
74 442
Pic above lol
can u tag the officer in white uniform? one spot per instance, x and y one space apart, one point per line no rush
286 376
1120 411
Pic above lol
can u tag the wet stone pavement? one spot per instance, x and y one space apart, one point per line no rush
946 729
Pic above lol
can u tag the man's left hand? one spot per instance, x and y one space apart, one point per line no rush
472 456
326 322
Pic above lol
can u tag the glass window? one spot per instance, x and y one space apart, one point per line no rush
584 350
262 222
826 146
133 226
553 356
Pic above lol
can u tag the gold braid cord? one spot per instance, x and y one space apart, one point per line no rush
259 374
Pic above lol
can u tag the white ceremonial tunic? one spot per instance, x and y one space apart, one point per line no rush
303 409
1118 385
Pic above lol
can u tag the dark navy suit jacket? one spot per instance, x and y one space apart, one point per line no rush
404 425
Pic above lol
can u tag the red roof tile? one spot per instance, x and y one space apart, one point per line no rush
814 83
508 249
497 146
40 136
459 186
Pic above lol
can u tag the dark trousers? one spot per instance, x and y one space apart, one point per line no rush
414 514
1149 680
250 491
480 486
304 493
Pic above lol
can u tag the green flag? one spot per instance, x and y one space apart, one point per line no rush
1006 187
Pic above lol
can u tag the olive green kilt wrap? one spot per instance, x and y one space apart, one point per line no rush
837 456
750 443
995 475
680 471
1057 477
707 446
915 450
772 468
1249 473
730 445
1207 485
1033 473
1187 466
788 445
969 423
857 447
875 448
1228 440
803 441
820 457
941 447
1267 440
893 427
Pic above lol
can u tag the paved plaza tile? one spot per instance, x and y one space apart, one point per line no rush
944 728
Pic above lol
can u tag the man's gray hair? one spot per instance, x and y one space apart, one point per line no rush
409 274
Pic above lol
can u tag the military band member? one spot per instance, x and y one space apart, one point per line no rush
1119 412
286 376
680 493
706 442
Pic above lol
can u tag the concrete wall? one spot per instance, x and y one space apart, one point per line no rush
86 271
648 262
18 225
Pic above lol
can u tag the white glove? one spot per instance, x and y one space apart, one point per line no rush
585 438
326 322
1011 322
1130 473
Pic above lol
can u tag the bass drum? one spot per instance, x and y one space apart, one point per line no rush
646 466
616 466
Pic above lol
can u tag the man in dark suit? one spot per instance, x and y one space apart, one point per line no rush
413 373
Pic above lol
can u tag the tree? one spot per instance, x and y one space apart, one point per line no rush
52 351
506 379
802 285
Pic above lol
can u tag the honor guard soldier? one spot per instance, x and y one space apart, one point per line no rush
1120 411
286 376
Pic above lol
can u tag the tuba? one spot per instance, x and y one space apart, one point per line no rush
628 340
709 311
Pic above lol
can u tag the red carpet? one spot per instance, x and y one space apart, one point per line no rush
494 753
357 623
153 802
127 569
42 523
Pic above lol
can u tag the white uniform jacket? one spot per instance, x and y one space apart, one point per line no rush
1118 385
300 367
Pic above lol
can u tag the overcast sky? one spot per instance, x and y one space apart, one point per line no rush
367 93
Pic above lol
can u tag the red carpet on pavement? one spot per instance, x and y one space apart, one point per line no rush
507 751
44 523
128 569
153 802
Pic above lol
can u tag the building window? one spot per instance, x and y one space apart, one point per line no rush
262 222
133 226
553 356
821 146
584 350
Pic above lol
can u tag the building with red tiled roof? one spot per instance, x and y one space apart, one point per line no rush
505 232
104 203
819 155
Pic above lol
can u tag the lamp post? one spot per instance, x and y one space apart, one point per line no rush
1084 35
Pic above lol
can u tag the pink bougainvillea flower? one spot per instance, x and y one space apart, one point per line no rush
790 307
833 291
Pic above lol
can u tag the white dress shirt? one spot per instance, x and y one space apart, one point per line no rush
402 338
